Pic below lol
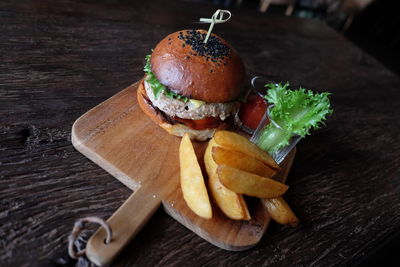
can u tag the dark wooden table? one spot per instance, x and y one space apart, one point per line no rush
59 60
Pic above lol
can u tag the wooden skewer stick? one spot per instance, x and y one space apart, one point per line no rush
214 20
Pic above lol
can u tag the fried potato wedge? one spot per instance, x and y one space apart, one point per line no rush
241 161
250 184
280 211
236 142
192 182
231 203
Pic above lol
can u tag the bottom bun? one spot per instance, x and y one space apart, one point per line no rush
176 129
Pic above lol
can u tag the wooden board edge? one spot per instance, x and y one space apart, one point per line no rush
203 234
99 161
79 145
81 118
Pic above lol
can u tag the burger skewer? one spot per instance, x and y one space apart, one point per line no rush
214 20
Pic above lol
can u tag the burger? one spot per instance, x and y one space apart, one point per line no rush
191 86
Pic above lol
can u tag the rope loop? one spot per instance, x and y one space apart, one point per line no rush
79 225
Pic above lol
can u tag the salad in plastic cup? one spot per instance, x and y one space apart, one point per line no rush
289 116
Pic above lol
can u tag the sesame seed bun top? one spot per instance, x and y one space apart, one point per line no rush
211 72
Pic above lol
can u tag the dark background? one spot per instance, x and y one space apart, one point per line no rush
41 48
375 28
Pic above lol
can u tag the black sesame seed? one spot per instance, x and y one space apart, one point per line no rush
214 49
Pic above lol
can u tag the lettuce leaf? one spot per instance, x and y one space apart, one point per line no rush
296 111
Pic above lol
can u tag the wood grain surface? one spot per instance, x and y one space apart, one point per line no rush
59 60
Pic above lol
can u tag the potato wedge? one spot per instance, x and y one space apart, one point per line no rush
250 184
211 165
241 161
236 142
192 182
231 204
280 211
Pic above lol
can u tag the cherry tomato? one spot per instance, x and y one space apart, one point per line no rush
252 111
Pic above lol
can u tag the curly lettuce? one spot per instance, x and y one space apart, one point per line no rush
295 111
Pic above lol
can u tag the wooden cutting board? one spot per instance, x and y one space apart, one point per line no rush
121 139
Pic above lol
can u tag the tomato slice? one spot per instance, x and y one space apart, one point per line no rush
252 111
206 123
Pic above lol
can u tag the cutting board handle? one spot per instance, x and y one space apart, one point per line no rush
125 223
